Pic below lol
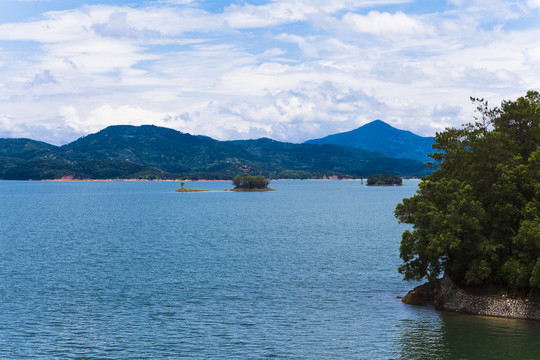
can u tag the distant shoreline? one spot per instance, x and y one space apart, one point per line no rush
67 179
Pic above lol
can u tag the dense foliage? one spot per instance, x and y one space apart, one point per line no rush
155 152
246 181
477 217
384 180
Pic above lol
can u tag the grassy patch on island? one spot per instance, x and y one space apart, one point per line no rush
183 190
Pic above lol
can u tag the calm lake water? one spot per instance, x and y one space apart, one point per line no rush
133 270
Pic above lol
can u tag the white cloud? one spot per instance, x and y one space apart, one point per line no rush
306 44
142 24
385 24
178 2
532 56
56 27
250 16
44 77
123 115
289 11
7 126
398 72
491 10
290 70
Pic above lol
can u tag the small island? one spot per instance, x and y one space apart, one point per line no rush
384 180
183 189
246 182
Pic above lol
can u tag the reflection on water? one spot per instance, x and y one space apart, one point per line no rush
421 334
446 335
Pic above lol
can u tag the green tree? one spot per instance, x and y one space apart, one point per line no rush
477 216
384 179
246 181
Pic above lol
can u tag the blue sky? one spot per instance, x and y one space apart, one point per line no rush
291 70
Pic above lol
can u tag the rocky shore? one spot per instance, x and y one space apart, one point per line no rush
445 295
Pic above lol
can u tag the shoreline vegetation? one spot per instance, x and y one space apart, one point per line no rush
246 182
475 221
384 180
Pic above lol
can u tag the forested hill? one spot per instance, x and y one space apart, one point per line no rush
380 137
154 152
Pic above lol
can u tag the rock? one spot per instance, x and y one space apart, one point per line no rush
446 295
421 295
452 298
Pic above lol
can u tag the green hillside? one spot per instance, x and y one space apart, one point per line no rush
152 152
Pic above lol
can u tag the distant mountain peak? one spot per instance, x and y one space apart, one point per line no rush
383 138
378 122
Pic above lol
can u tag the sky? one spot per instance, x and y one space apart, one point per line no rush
290 70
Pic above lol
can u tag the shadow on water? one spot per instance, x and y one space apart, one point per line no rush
458 336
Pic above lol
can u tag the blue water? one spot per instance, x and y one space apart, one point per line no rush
133 270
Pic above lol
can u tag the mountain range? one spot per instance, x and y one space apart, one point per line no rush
151 152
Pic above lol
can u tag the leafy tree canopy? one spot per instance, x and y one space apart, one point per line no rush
247 181
384 179
477 217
